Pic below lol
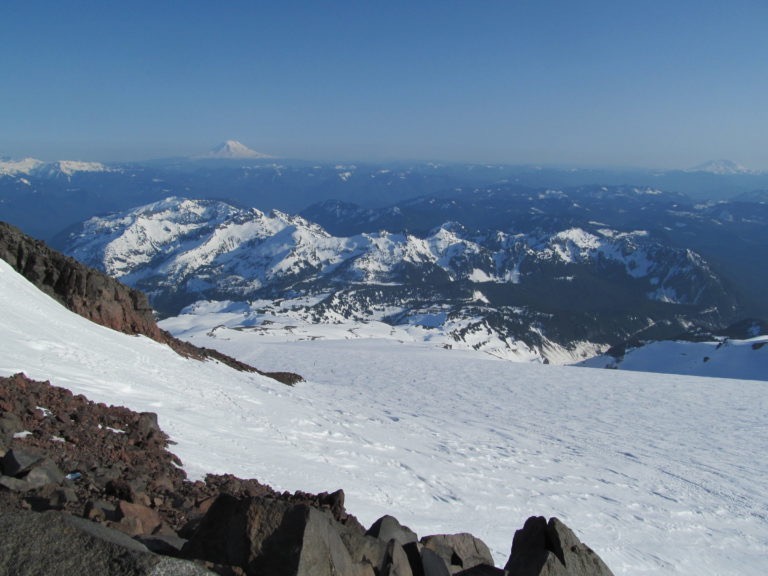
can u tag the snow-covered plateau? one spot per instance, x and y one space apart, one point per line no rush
657 473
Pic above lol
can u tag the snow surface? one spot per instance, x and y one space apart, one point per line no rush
726 358
659 474
291 319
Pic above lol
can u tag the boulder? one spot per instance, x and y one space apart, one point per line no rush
389 528
147 426
459 551
26 476
334 502
43 473
137 519
269 536
100 510
10 424
362 548
13 484
396 562
33 543
542 548
17 461
432 564
52 497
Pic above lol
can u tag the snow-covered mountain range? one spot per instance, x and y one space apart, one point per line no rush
473 253
722 168
38 168
657 473
549 295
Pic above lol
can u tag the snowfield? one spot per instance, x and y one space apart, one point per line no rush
659 474
747 359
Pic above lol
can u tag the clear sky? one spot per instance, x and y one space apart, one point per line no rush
659 83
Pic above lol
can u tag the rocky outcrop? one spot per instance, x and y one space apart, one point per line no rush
83 290
271 536
116 501
544 548
100 298
459 551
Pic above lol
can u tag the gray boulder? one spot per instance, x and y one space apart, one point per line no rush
362 547
44 472
544 548
32 544
389 528
267 536
433 564
24 470
10 424
459 551
18 461
396 562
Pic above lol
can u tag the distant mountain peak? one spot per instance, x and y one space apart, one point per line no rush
232 149
721 167
9 167
33 166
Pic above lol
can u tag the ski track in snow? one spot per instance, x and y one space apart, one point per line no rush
656 473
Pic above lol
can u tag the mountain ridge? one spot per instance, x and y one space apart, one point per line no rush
507 285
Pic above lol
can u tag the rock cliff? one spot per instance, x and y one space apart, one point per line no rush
83 290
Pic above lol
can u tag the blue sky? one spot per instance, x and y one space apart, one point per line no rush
622 83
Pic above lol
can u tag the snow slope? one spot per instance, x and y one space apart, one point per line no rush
658 474
724 358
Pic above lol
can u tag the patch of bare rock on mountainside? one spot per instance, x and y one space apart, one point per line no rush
100 298
87 488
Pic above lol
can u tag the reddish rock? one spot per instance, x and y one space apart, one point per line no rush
137 519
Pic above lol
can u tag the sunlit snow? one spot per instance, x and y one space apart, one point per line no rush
659 474
722 358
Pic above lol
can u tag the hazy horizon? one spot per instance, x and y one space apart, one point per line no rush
553 83
198 155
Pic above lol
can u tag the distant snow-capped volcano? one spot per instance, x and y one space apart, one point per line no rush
234 150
